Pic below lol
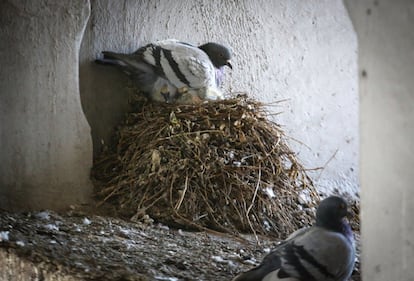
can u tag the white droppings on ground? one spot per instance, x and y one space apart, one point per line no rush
4 236
269 192
218 259
51 226
86 221
20 243
304 197
266 250
44 215
166 278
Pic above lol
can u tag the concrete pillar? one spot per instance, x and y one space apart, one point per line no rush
45 143
386 67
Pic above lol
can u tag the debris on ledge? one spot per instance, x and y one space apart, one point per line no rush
76 246
80 246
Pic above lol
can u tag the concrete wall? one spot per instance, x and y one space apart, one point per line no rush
45 143
386 66
303 51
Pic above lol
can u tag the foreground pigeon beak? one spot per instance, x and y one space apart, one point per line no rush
229 64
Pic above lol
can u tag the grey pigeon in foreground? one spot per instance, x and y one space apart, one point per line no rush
175 71
322 252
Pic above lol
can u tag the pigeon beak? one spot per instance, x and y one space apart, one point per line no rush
229 64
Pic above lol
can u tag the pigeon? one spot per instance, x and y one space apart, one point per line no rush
169 69
322 252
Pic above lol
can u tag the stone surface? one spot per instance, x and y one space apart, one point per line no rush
45 146
91 247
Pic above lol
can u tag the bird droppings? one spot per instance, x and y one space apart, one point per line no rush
52 227
166 278
20 243
86 221
219 165
43 215
4 236
218 259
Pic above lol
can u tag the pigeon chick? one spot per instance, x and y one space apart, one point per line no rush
322 252
166 69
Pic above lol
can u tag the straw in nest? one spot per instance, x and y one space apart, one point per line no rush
218 165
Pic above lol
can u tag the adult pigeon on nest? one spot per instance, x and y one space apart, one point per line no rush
322 252
172 71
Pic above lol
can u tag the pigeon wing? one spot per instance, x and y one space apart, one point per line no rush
318 254
180 63
271 262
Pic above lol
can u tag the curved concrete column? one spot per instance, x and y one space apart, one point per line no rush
45 143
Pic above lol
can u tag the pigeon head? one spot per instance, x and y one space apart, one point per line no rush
331 212
218 54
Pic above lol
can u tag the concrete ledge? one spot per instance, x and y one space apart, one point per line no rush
15 268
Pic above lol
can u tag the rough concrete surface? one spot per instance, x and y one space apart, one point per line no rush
45 146
302 51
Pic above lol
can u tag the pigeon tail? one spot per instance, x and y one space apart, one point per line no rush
141 73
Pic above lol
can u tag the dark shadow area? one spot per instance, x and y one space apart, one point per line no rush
103 89
104 101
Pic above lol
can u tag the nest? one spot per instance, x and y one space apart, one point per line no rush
222 166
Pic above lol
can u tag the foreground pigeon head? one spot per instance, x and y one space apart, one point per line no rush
219 55
331 212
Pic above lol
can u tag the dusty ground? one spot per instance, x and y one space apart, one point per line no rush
101 248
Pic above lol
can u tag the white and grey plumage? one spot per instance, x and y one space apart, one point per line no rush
322 252
168 68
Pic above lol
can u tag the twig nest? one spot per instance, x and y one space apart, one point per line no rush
219 165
